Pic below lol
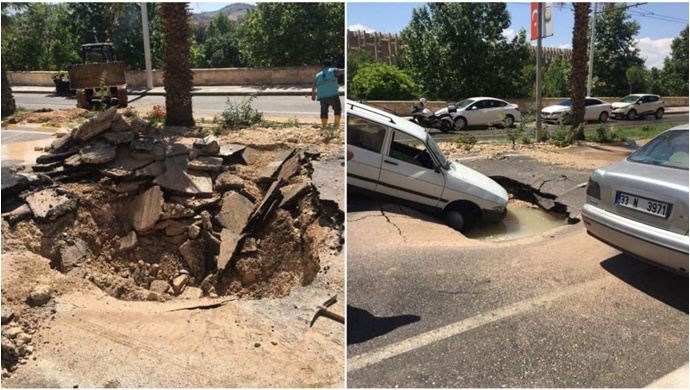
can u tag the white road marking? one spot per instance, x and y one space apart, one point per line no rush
369 358
677 379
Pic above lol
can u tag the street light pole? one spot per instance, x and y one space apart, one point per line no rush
537 132
591 51
147 46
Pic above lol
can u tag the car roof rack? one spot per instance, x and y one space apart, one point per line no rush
390 119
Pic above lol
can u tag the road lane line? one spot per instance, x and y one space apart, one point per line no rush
424 339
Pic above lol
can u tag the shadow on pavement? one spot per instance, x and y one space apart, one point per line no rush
659 284
363 326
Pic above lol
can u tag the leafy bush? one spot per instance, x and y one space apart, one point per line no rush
239 115
382 82
604 135
129 113
466 140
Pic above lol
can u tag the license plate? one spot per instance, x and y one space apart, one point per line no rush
660 209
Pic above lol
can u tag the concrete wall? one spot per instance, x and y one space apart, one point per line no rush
229 76
403 107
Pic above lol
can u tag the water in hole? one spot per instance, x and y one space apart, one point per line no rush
520 222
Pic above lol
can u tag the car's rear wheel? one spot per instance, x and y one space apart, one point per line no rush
603 117
460 123
632 114
509 121
659 113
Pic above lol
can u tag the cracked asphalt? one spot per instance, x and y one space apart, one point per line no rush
428 307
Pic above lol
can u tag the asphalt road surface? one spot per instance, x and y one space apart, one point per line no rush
429 308
287 106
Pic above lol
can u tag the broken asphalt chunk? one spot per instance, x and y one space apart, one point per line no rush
52 203
178 180
146 209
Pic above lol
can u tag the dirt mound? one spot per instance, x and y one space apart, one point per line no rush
55 118
146 217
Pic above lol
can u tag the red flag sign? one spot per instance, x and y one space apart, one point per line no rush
534 21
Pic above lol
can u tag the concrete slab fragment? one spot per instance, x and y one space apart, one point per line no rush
119 124
196 203
228 246
206 163
55 157
13 183
227 181
146 208
50 204
235 212
95 126
74 254
208 145
150 171
98 153
293 192
271 200
62 144
270 172
119 138
21 213
178 180
147 149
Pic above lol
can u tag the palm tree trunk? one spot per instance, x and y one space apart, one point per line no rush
178 78
579 69
8 104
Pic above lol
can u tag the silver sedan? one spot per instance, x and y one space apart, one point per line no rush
640 205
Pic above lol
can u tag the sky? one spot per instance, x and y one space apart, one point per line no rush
659 23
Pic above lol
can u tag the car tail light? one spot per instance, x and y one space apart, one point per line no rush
593 189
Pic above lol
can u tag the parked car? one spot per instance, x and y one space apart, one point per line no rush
595 110
640 205
395 158
637 105
483 111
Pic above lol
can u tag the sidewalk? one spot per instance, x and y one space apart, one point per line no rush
205 90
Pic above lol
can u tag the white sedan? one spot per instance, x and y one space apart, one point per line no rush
483 111
595 110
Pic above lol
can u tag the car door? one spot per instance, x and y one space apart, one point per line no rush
495 109
476 113
365 140
409 171
593 108
647 105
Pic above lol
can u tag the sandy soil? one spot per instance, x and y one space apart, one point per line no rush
82 336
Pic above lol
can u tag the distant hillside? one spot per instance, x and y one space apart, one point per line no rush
236 12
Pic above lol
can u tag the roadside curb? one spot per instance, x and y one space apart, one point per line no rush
139 92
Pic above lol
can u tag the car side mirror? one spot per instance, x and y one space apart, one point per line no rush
437 168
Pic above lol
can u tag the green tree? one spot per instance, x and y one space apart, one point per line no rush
221 44
442 42
637 77
675 72
378 81
292 34
656 82
178 76
557 78
9 106
615 50
579 67
356 59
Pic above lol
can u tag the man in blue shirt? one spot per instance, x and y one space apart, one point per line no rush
325 90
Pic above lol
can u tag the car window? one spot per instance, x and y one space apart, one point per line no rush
630 99
653 99
365 134
668 149
464 103
592 102
498 103
565 102
410 150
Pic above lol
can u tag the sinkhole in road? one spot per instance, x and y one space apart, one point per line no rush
527 215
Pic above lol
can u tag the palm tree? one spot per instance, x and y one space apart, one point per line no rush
579 67
178 76
8 104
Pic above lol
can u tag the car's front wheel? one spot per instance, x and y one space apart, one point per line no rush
659 113
458 220
632 114
460 123
603 117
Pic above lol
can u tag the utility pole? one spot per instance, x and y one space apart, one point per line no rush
540 10
147 46
591 51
